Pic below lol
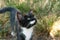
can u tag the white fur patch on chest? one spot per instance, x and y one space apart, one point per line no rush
27 32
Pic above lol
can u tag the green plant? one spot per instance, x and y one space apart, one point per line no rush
23 7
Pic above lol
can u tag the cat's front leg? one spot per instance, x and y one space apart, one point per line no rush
31 37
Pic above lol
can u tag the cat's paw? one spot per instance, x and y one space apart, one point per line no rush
13 33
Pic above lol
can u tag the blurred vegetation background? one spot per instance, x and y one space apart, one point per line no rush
46 12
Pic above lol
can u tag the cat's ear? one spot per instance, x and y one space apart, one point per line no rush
19 16
31 11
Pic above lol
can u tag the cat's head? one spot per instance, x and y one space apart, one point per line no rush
27 20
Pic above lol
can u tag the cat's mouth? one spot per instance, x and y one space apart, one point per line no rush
31 23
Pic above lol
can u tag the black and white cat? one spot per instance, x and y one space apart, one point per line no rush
27 25
26 22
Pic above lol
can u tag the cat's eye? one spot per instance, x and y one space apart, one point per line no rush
28 18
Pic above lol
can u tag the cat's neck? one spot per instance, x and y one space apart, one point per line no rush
27 32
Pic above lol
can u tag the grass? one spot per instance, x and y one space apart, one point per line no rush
46 12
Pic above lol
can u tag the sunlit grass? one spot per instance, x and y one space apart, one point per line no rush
55 28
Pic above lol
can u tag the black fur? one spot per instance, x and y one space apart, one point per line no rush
24 22
22 36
